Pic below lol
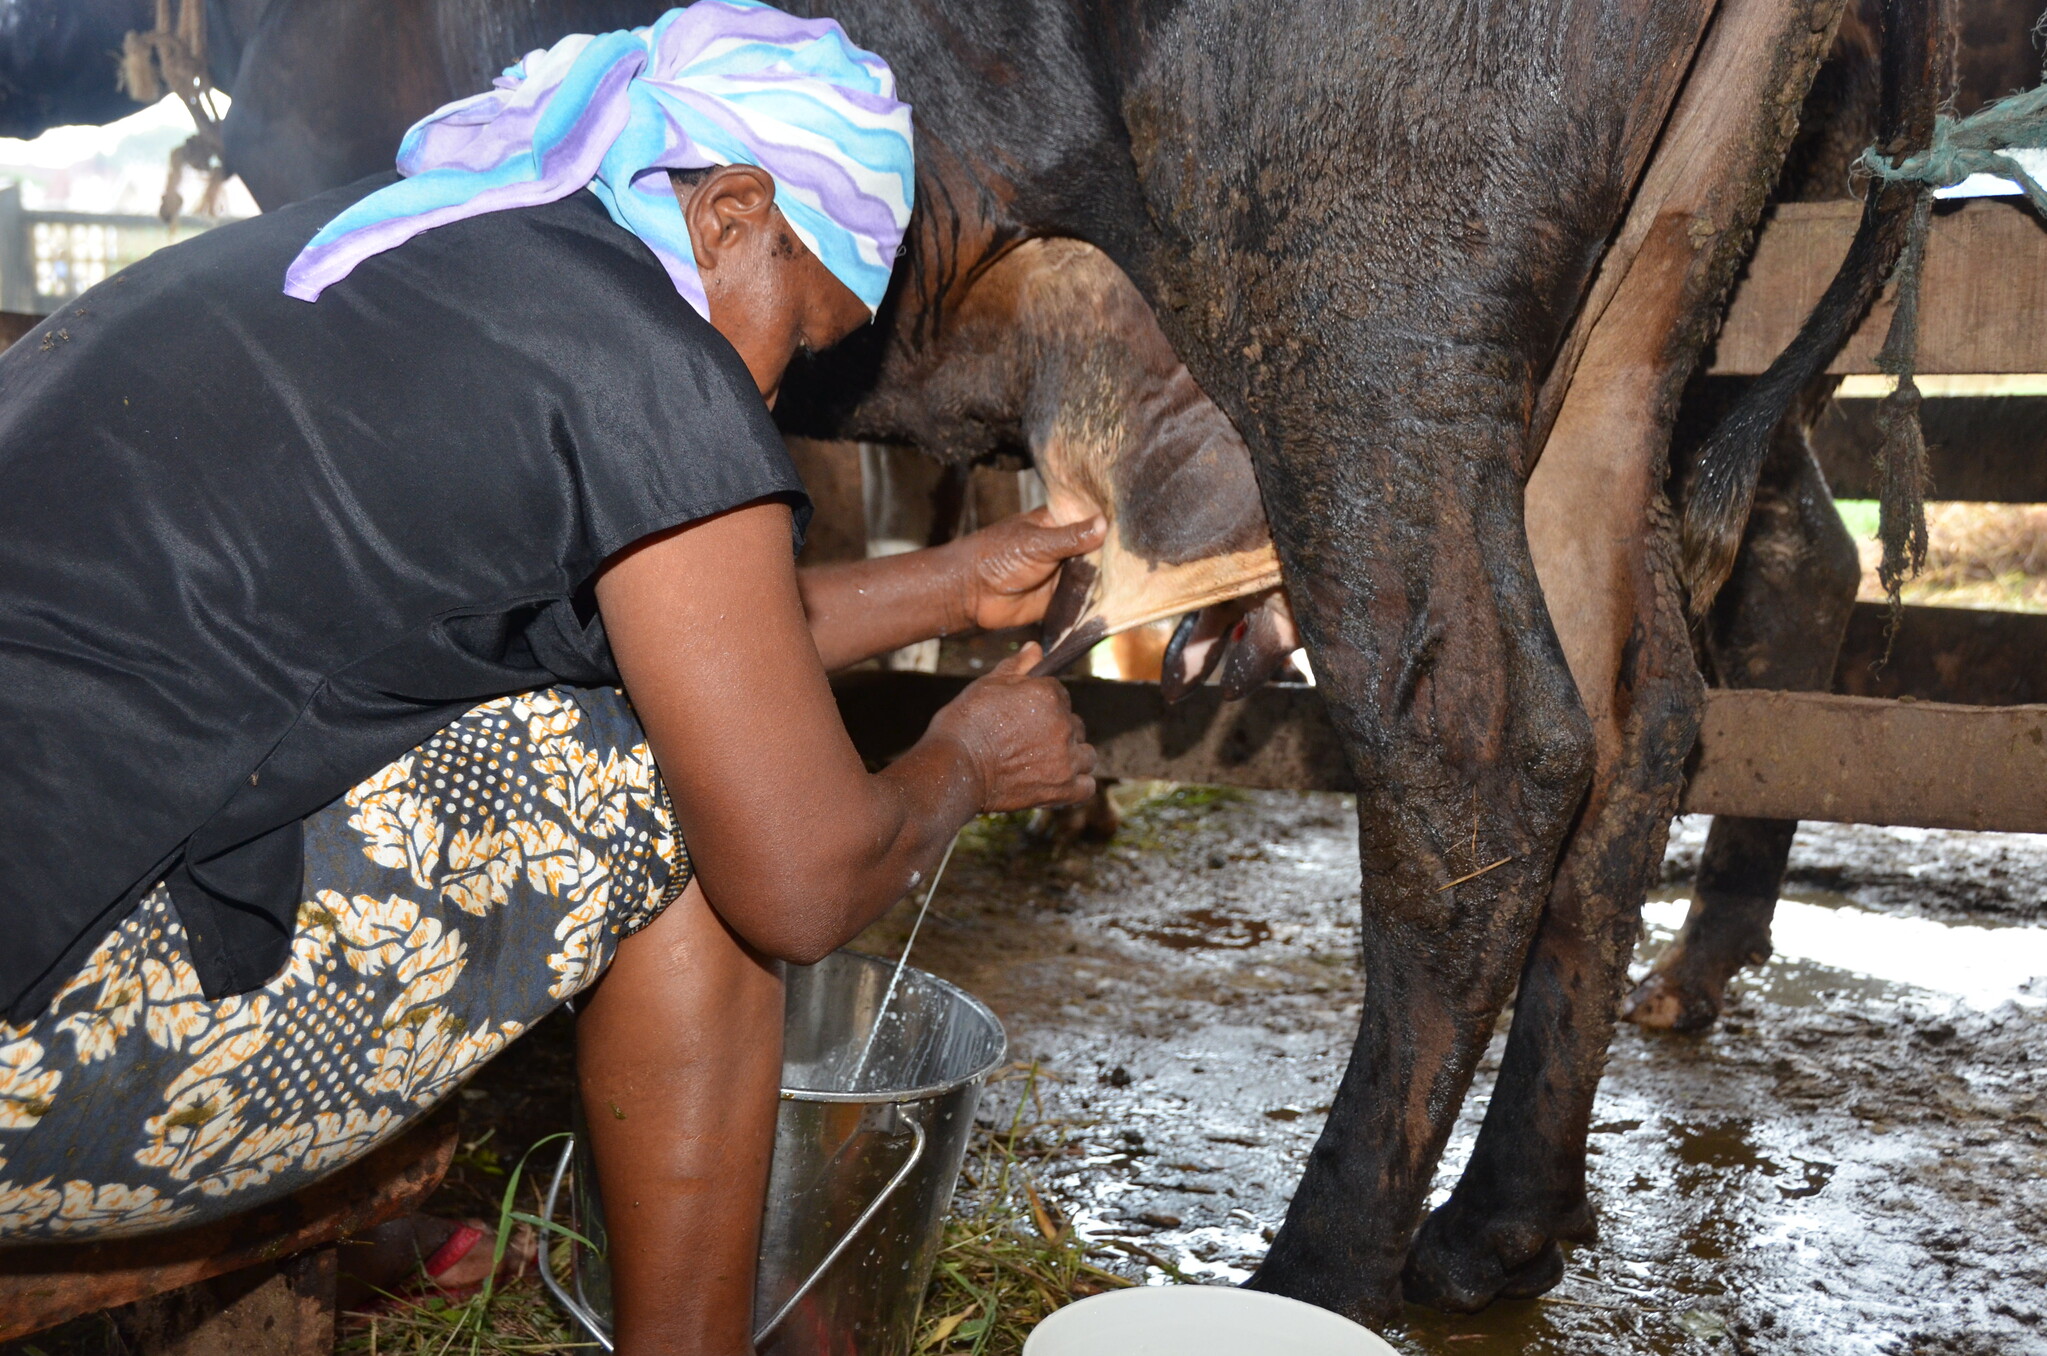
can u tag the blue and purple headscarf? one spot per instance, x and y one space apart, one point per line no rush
721 82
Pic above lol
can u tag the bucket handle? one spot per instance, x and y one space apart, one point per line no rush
592 1325
846 1239
577 1310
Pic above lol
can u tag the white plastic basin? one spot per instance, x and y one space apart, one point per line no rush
1198 1320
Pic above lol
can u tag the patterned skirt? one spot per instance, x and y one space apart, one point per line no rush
451 901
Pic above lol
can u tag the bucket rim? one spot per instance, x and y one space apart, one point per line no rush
1306 1319
930 1091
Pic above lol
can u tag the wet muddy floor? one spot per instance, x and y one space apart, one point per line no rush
1852 1163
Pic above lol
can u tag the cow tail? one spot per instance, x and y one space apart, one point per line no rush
1722 487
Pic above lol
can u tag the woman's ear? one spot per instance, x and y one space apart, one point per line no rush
727 208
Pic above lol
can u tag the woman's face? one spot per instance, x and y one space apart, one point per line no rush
770 296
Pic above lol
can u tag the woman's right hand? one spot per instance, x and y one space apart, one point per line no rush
1021 737
797 845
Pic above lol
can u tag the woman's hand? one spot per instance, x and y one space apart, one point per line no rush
1013 566
999 577
1020 736
797 847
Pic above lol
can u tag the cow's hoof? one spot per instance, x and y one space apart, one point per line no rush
1461 1265
1662 1002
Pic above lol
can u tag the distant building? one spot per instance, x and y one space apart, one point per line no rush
49 257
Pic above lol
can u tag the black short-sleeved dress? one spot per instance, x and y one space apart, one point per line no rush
316 788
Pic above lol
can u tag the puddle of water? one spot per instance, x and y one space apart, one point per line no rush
1980 967
1203 930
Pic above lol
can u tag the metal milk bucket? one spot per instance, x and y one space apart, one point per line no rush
868 1144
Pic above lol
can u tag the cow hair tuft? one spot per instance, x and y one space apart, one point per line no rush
1722 488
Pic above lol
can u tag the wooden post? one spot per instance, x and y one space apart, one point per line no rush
1857 760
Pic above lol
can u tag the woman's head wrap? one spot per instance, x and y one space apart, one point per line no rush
721 82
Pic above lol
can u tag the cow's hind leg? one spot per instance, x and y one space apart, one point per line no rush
1468 714
1523 1192
1778 624
1727 927
1604 545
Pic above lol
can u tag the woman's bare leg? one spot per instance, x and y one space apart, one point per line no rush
679 1053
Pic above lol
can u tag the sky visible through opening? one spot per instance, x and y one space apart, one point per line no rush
118 168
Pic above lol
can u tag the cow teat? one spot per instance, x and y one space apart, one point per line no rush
1249 638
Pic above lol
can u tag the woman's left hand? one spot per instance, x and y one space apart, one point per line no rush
1013 566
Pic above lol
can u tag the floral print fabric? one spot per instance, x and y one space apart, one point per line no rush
452 900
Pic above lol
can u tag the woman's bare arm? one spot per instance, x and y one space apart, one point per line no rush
798 846
1000 576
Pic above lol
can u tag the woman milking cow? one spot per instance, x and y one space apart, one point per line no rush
401 636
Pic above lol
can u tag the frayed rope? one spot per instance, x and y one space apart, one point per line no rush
1901 452
171 58
1975 145
1960 147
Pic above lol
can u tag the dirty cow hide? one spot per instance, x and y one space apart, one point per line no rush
1366 228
